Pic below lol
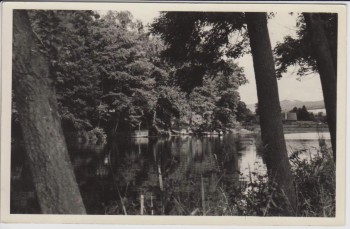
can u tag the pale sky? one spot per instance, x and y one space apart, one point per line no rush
307 89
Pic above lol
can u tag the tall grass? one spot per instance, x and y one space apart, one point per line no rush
315 182
314 178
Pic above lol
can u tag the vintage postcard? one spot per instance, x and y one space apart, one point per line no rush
173 113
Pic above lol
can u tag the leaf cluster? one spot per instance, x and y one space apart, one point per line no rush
297 51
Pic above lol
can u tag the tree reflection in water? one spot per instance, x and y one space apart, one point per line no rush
172 174
166 171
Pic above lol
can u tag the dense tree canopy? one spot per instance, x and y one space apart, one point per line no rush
109 72
203 55
204 44
303 114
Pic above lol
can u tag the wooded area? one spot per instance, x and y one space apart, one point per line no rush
99 75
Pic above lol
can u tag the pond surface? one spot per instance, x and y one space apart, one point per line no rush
180 175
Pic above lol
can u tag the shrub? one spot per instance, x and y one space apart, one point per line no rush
97 135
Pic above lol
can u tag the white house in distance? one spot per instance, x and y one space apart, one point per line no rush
289 117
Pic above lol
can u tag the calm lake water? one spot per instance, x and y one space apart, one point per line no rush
171 176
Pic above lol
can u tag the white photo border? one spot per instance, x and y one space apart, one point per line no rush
6 83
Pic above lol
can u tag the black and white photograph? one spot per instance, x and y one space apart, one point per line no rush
227 111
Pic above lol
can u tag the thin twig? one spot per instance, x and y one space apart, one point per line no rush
203 197
37 36
180 205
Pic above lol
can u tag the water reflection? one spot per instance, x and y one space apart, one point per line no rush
250 160
170 176
169 171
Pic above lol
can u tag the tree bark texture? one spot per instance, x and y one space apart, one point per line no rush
46 149
276 155
321 52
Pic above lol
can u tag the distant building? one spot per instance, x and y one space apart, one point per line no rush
289 117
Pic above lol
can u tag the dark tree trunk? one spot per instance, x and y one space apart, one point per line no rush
321 52
46 150
269 108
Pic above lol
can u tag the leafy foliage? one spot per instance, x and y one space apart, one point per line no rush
109 73
65 38
204 36
204 44
98 64
304 115
298 52
202 55
244 114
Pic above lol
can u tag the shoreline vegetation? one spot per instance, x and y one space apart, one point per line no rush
99 136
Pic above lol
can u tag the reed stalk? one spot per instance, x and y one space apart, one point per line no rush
203 196
115 183
142 200
152 204
160 178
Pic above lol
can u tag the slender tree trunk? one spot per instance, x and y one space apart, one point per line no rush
46 150
269 108
327 69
